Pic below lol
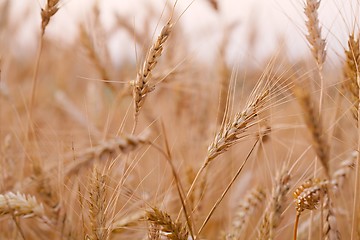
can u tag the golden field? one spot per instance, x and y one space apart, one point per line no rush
165 145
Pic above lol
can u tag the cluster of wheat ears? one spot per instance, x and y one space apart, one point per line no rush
170 147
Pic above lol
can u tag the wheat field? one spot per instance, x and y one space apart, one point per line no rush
166 145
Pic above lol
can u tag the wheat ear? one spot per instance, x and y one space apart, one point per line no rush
142 85
250 204
46 13
330 230
352 73
314 124
317 43
93 55
131 219
172 230
314 38
276 206
343 172
97 206
111 148
20 205
49 11
308 196
214 4
231 132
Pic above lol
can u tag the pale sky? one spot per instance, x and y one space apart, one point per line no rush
202 26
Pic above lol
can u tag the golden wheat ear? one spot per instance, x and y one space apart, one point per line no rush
172 230
313 121
252 202
309 196
314 37
142 85
352 73
20 205
48 12
276 206
98 206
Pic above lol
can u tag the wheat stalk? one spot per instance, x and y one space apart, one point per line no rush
46 13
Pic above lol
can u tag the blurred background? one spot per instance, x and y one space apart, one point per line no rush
259 26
